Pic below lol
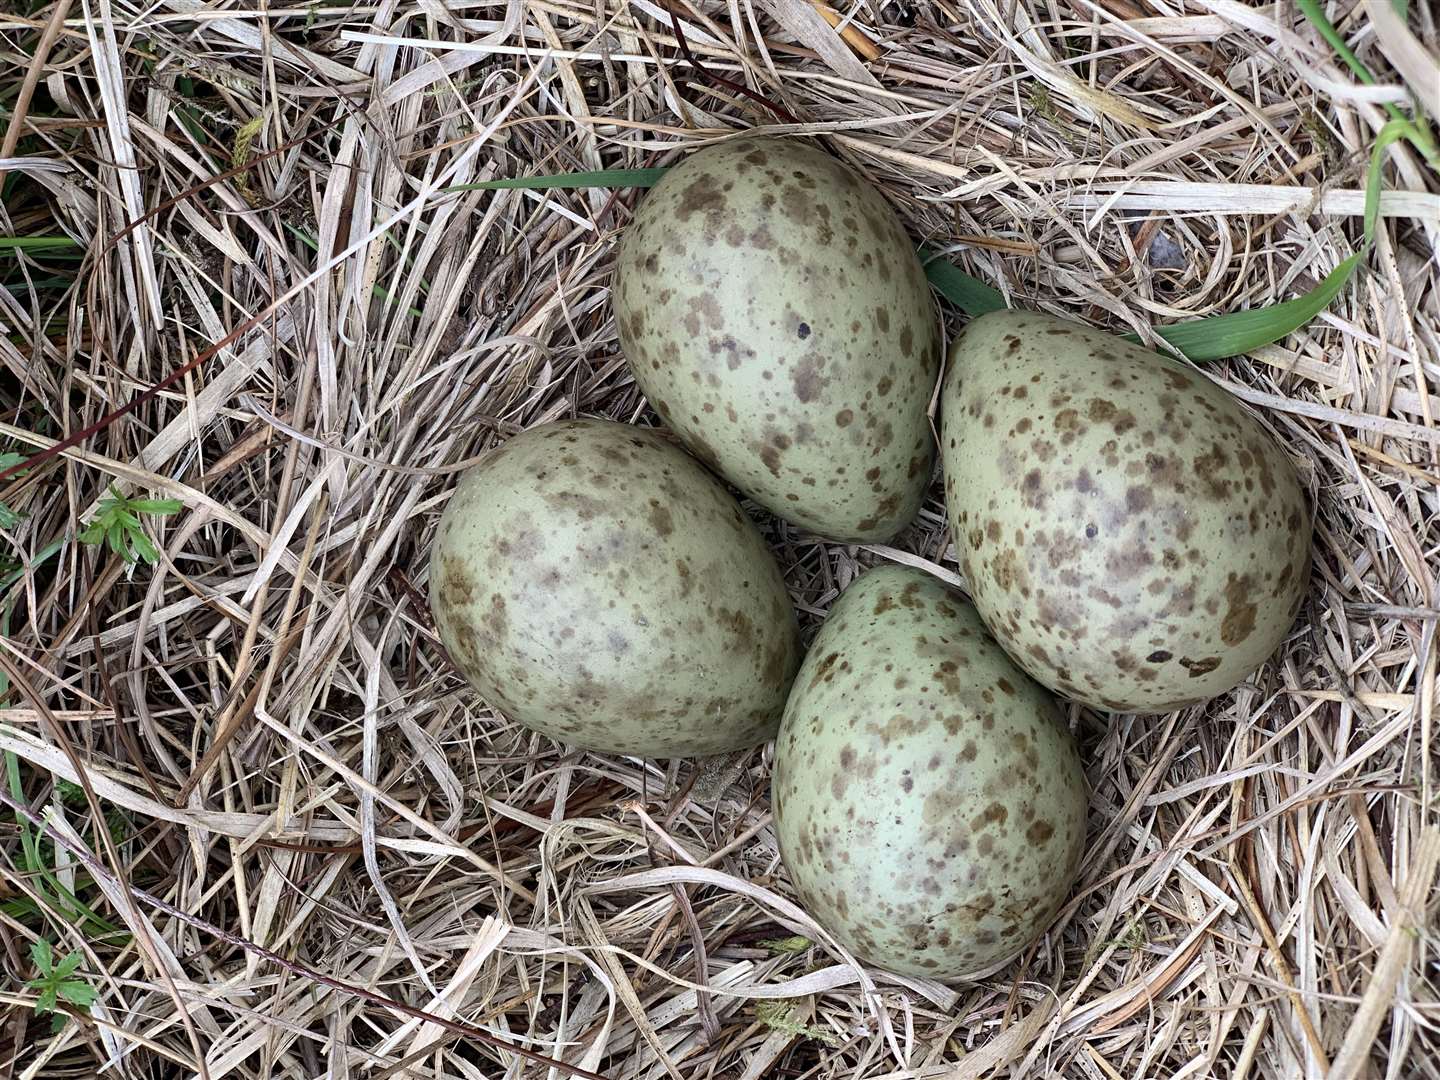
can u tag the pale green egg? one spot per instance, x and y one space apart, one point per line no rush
593 582
928 797
1130 534
777 317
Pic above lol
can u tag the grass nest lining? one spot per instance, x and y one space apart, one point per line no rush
258 730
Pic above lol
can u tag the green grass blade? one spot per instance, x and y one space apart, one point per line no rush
6 580
36 243
1214 338
21 909
384 294
39 285
34 864
969 294
1312 10
17 791
1417 133
1244 331
599 178
1393 129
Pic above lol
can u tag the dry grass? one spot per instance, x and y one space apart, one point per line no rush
267 724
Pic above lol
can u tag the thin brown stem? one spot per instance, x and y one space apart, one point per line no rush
719 80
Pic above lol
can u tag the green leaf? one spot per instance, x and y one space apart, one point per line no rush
21 908
93 533
116 536
79 993
970 295
57 1023
156 506
42 955
8 518
143 547
599 178
65 968
1202 339
1244 331
47 1000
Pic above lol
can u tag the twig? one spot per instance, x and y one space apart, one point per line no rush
719 80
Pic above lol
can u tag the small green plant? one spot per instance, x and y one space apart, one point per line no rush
791 945
56 982
1040 103
1133 936
779 1016
118 524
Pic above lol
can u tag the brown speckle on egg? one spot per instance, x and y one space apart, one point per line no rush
962 818
564 609
1156 511
741 329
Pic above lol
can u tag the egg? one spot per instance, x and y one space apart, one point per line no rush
777 317
594 583
1128 532
928 798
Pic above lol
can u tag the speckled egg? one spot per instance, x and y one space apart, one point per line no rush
596 584
777 317
928 798
1130 534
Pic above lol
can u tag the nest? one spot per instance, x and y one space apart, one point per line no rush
255 743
